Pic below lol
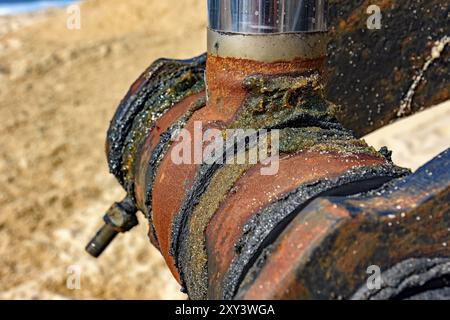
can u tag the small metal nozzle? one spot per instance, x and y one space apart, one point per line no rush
104 236
121 217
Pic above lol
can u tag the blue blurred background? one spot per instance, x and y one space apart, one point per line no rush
11 7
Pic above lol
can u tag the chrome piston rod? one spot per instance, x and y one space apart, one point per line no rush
267 16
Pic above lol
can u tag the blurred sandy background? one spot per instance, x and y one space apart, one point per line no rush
58 91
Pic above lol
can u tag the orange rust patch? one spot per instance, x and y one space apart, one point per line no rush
152 140
277 279
224 78
254 191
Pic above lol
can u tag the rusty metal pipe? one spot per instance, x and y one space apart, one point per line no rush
217 224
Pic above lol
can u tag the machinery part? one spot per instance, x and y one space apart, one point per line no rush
120 218
255 16
378 76
226 95
102 239
325 251
216 224
149 97
412 279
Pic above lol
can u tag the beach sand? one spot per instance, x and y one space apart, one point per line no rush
58 91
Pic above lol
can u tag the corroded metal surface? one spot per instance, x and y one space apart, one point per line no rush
219 226
163 84
372 73
226 95
163 99
318 156
253 214
325 251
231 203
412 279
377 76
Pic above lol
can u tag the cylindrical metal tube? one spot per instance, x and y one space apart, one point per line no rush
268 47
101 240
267 16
